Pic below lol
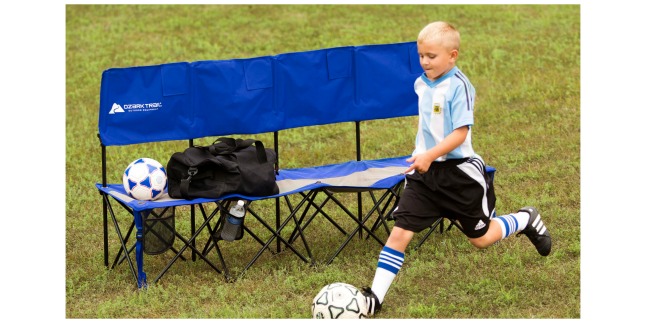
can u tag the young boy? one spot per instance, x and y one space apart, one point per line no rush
447 178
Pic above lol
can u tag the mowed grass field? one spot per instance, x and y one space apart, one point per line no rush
524 61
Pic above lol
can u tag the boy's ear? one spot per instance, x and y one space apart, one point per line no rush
454 54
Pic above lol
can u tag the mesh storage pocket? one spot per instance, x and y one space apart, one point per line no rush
159 230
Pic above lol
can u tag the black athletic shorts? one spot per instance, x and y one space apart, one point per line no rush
458 189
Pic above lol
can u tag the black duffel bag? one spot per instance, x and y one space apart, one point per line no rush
228 166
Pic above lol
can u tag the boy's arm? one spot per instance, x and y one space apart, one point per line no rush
422 162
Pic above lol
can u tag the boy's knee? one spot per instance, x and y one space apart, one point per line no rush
399 235
492 236
480 243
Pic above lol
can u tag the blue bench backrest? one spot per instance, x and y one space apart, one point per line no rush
179 101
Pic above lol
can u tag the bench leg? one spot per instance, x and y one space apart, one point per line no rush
122 241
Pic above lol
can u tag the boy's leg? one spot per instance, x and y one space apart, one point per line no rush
511 223
416 211
527 221
479 185
390 261
501 227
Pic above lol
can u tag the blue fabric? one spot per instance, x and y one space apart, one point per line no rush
187 100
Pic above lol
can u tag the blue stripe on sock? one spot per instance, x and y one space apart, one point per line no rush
515 222
387 257
509 218
504 221
390 259
393 252
388 267
389 263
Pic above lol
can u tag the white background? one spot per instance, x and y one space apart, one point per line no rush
32 124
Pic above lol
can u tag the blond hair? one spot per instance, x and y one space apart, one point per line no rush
441 32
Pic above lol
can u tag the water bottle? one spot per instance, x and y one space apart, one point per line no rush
233 222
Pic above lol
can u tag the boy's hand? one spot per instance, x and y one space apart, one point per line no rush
421 163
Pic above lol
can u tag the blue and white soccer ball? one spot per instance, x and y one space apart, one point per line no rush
339 301
145 179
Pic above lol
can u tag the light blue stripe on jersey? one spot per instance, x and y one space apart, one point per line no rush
391 260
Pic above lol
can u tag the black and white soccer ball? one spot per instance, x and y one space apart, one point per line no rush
145 179
339 301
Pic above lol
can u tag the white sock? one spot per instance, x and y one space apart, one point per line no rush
512 223
390 261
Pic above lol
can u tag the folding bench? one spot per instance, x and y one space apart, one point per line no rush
203 99
141 210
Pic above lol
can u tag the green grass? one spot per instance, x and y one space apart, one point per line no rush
524 61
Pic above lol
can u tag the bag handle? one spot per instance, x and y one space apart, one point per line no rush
185 182
226 145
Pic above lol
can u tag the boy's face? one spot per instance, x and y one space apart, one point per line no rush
435 59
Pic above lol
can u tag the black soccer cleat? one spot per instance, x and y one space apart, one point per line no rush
371 300
536 231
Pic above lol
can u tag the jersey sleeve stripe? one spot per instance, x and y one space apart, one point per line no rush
466 90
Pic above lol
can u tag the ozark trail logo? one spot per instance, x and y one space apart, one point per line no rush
116 108
136 107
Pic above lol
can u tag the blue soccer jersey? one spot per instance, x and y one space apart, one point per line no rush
444 105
